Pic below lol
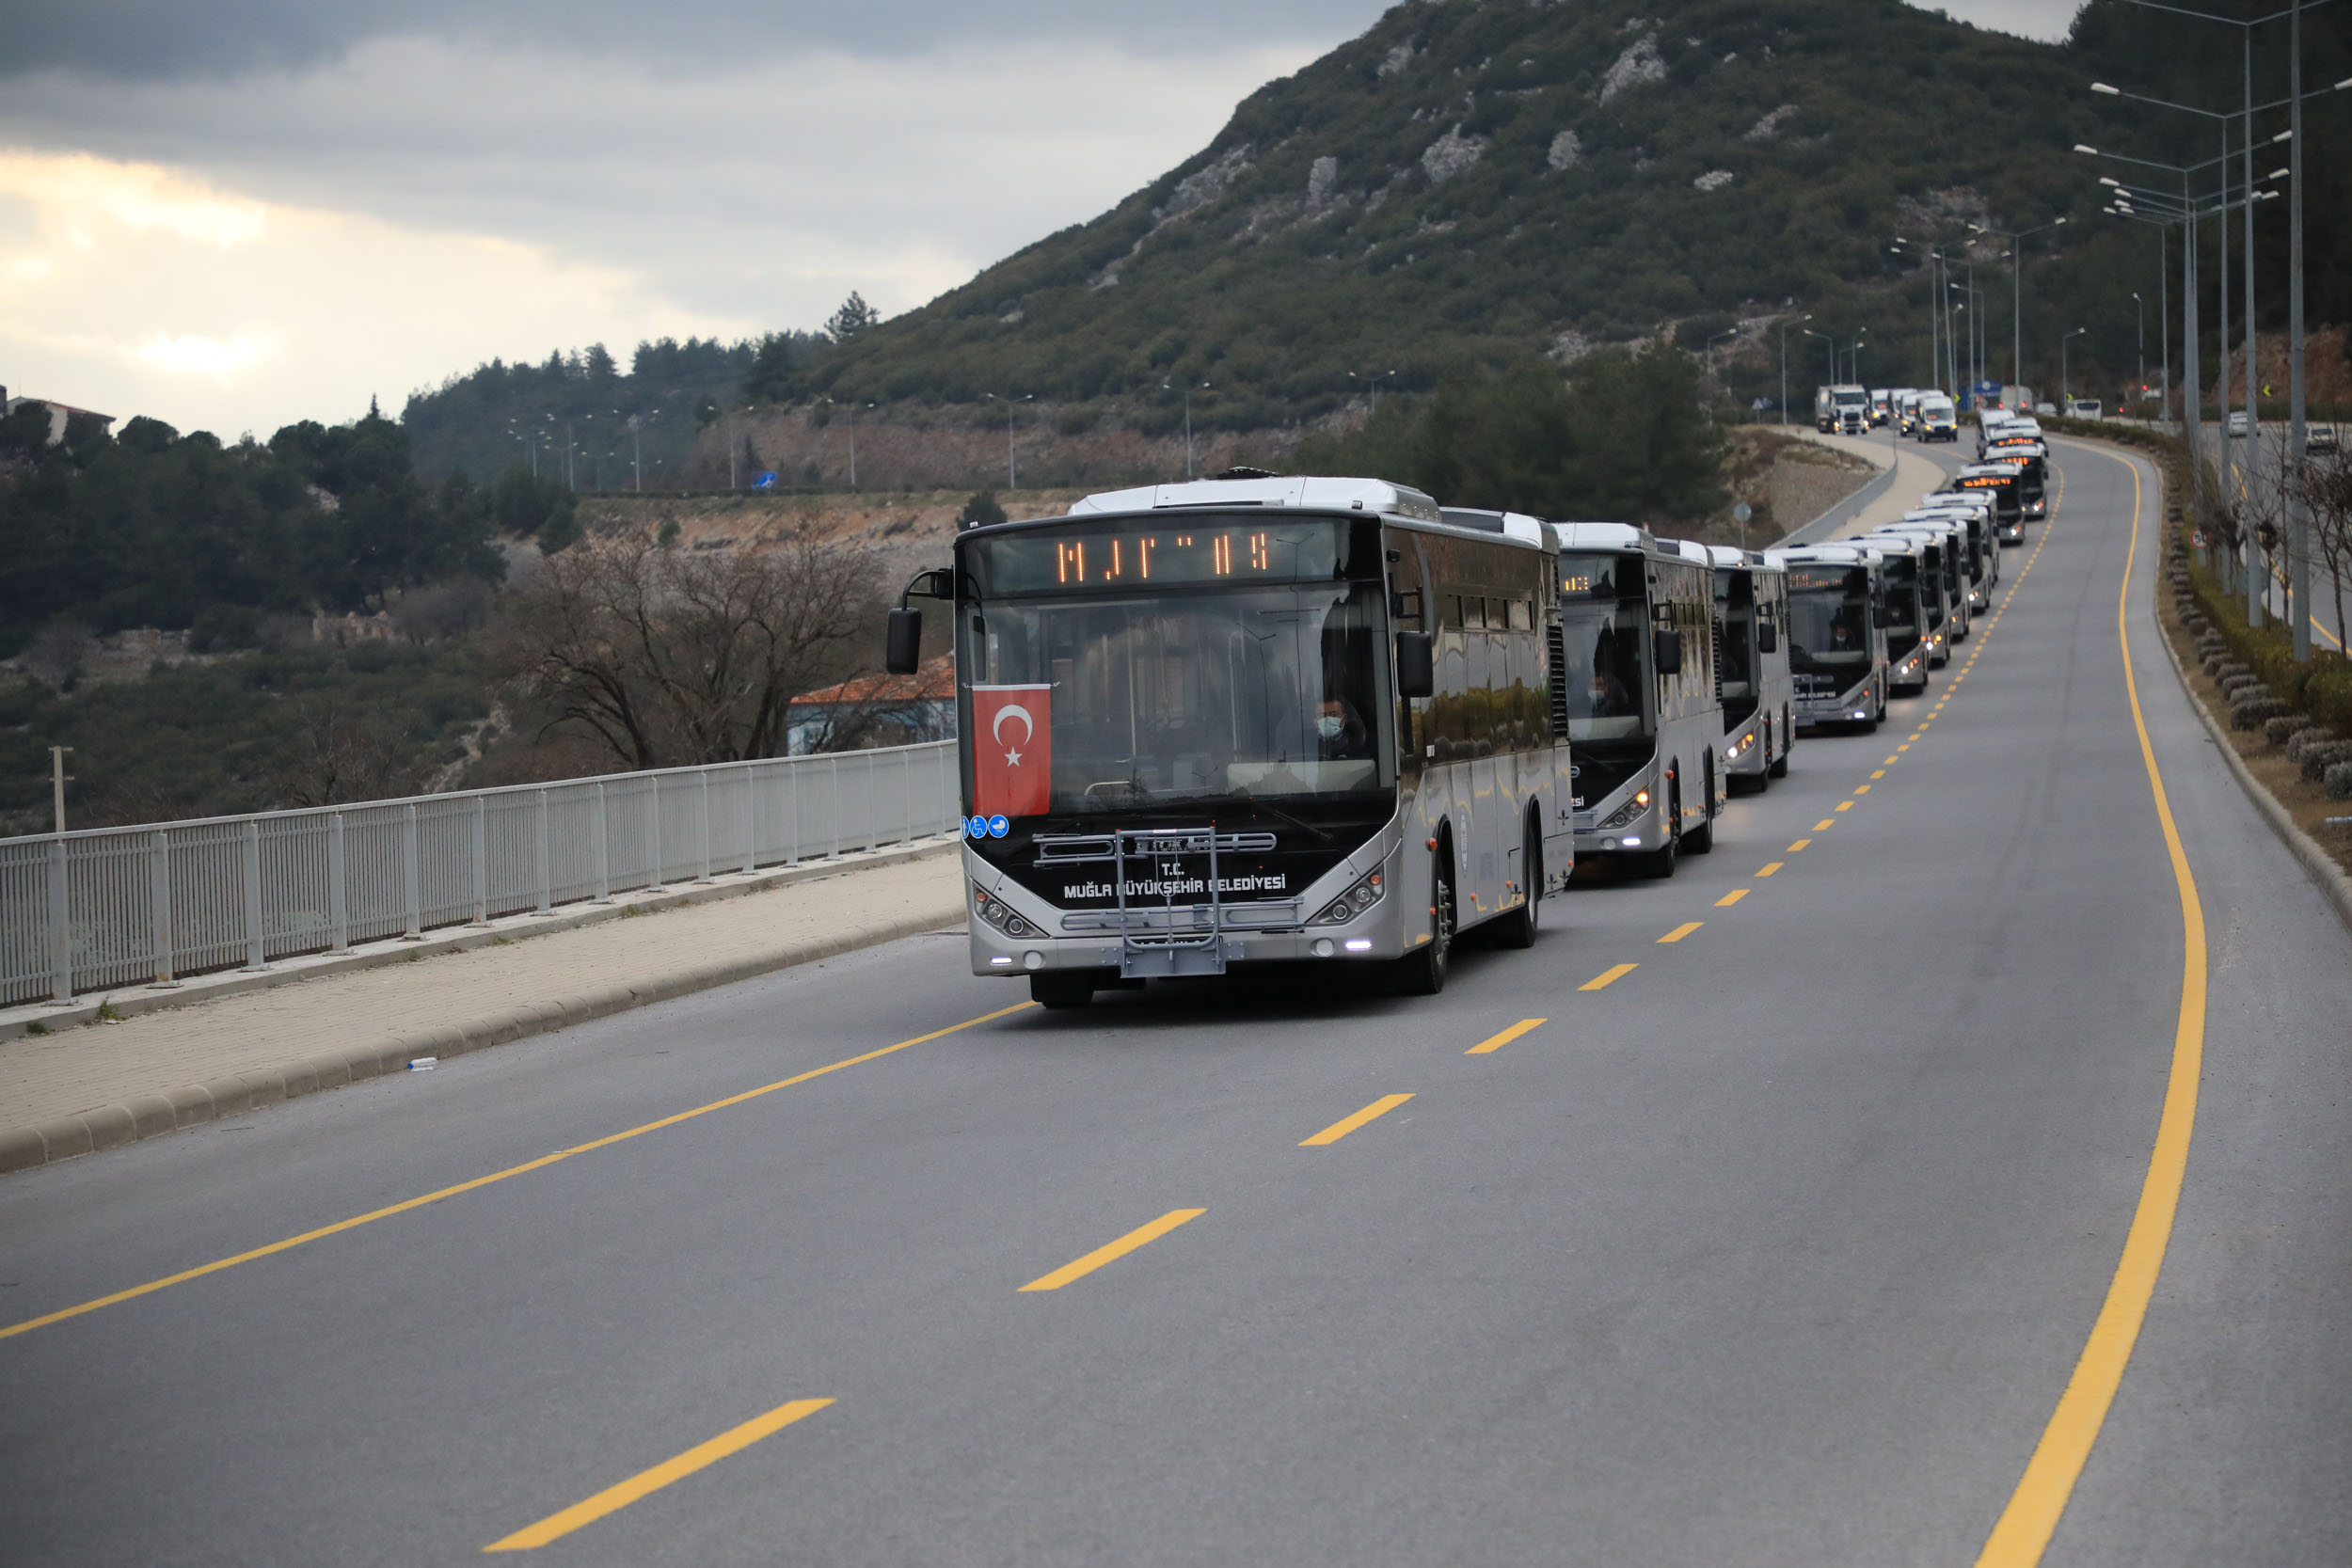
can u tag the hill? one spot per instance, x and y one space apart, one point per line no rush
1488 178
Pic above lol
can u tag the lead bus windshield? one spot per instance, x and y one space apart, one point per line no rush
1829 626
1198 659
1604 618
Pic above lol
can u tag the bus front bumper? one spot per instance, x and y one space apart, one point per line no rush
1910 672
1848 707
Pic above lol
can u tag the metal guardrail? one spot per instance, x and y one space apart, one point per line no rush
114 907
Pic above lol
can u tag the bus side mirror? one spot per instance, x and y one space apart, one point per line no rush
902 644
1767 637
1879 618
1666 649
1416 664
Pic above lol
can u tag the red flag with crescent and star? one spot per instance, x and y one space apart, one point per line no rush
1012 750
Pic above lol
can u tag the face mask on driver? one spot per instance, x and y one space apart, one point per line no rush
1328 726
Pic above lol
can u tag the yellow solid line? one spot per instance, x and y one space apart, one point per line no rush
1498 1041
1730 898
1799 846
1682 930
1771 867
1615 973
613 1498
2023 1529
544 1160
1142 1235
1346 1125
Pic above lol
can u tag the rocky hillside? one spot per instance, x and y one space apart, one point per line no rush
1480 179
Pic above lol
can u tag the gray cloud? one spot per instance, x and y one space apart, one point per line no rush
172 40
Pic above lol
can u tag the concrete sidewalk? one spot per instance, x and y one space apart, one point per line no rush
1883 500
82 1088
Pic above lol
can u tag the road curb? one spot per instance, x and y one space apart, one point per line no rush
2320 865
151 1116
2317 862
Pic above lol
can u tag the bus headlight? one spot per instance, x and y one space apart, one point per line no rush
1355 901
996 912
1628 812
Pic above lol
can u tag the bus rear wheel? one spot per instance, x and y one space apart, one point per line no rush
1423 972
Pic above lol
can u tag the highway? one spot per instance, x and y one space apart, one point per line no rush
1776 1241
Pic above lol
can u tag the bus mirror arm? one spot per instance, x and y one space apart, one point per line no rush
902 640
1416 664
1666 647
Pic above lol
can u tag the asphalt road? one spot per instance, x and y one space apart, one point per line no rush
1778 1248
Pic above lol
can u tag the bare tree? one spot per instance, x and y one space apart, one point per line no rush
438 610
670 656
2325 487
348 751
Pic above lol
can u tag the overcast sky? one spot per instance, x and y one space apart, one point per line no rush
241 213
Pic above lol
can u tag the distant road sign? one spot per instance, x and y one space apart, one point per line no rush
1741 513
764 482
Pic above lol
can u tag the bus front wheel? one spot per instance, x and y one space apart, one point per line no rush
1659 863
1423 972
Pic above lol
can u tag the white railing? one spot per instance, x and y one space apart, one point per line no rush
115 907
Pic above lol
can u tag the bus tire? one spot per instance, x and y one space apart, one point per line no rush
1423 972
1062 990
1701 840
1659 863
1518 928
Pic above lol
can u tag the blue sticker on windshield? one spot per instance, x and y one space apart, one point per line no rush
977 827
999 827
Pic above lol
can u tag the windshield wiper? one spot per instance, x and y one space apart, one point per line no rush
1257 804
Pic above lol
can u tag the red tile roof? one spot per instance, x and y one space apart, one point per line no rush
934 682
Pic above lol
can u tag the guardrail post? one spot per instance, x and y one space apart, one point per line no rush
792 771
702 776
604 852
752 817
653 813
256 960
833 780
338 889
61 926
906 795
414 893
159 905
480 862
542 880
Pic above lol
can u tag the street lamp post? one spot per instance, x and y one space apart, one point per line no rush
2066 382
2016 239
2139 315
1784 363
1830 344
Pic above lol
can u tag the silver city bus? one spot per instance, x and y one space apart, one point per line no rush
1253 720
1946 595
1983 556
1909 589
1837 632
1751 668
1636 621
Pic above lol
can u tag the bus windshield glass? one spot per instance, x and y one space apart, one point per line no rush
1604 616
1903 605
1829 619
1270 689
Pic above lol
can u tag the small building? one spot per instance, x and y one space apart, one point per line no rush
59 413
876 710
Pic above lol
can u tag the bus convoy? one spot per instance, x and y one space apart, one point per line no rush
1260 720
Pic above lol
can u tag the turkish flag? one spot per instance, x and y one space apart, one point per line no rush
1012 750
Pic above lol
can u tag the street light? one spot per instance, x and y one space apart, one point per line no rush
1188 392
2017 289
2140 310
2066 384
1784 363
1831 344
